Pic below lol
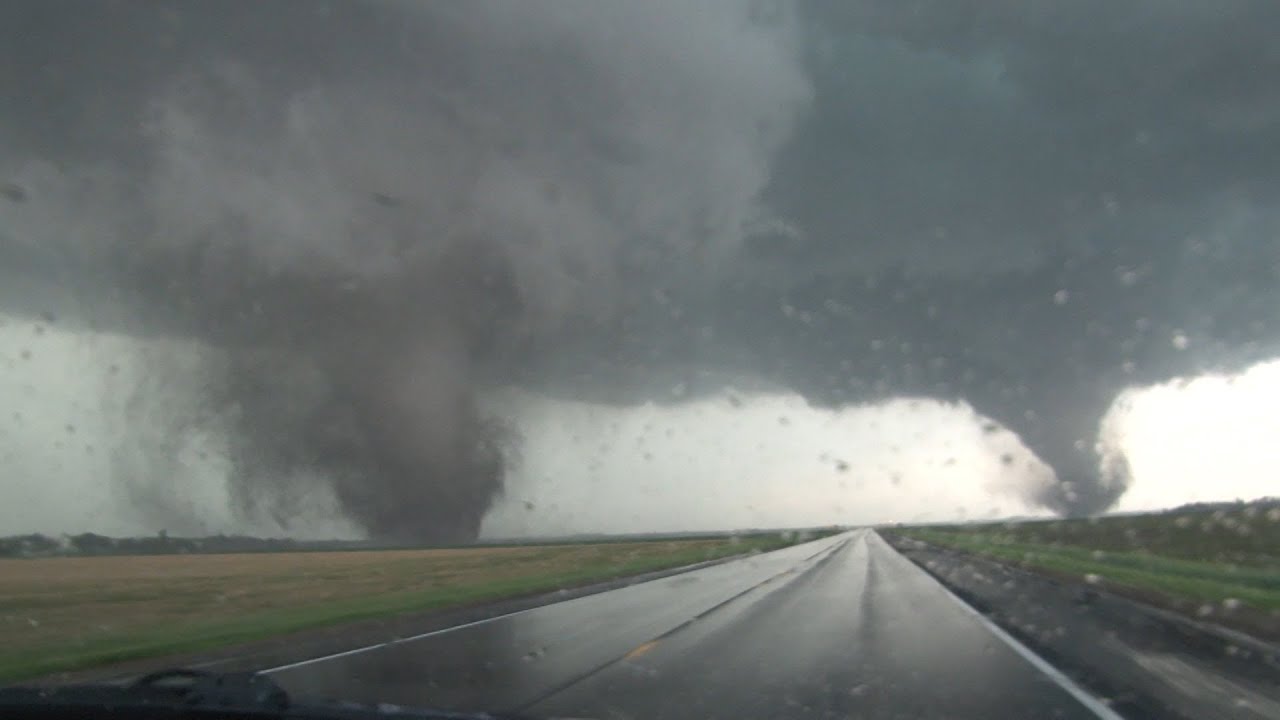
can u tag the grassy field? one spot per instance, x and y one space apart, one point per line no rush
1219 558
68 613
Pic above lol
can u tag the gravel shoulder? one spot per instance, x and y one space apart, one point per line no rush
1146 662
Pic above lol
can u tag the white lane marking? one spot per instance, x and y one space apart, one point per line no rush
1098 707
1081 695
441 631
367 648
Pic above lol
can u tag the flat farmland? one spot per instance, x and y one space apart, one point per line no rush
68 613
1220 563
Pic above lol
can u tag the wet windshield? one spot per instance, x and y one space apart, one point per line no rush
405 314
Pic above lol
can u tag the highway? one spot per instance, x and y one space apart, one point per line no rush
839 627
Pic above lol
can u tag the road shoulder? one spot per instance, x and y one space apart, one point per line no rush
1147 662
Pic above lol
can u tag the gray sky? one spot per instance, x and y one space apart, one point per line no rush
726 461
365 217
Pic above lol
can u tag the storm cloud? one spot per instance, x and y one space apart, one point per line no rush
1044 204
371 211
368 210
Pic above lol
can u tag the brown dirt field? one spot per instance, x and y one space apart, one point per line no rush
52 603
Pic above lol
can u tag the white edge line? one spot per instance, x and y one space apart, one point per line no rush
1091 702
411 638
441 631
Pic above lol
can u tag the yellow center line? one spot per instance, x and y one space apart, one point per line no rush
641 649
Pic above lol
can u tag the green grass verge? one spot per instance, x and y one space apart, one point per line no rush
1257 586
197 637
1240 534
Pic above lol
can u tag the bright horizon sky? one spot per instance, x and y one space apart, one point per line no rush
771 460
1206 439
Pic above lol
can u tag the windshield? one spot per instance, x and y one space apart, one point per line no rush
318 312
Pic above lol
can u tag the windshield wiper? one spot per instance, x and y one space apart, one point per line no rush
180 693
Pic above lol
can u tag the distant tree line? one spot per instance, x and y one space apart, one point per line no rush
90 544
1264 503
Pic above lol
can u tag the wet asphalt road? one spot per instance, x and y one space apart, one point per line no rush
841 627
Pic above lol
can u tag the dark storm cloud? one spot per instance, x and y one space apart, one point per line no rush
1028 206
368 210
987 133
1031 206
